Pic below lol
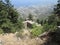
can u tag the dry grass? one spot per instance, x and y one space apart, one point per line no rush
11 39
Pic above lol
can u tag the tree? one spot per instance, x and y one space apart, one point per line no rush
57 12
38 21
30 17
54 20
8 17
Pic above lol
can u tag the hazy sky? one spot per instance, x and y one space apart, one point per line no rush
19 3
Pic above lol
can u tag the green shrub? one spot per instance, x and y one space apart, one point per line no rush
34 25
1 31
37 31
51 27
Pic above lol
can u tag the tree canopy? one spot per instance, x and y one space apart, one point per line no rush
8 16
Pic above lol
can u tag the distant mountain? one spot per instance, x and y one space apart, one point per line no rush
40 12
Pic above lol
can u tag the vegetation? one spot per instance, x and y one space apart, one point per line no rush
52 24
8 17
38 21
37 30
9 22
53 20
30 17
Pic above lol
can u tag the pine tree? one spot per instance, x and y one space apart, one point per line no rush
30 17
38 21
8 17
57 12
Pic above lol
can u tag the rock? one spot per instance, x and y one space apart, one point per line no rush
1 42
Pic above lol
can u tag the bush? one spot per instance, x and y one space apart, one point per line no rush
51 27
37 31
9 27
1 31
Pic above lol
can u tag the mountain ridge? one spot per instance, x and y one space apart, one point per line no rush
36 11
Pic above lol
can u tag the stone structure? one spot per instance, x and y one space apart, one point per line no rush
28 23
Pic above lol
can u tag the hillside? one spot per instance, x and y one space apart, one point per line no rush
37 11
